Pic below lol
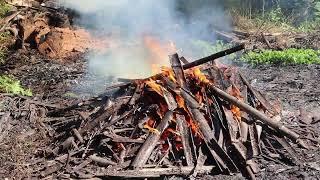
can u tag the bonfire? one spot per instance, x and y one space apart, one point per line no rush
188 120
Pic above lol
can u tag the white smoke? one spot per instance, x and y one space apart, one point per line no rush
126 22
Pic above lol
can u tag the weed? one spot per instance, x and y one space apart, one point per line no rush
9 85
288 56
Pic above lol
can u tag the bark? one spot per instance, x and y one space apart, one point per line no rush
214 56
260 116
151 142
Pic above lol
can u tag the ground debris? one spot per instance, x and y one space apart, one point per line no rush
50 31
155 127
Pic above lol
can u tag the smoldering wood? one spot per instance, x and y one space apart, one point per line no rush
128 151
178 70
151 142
199 164
217 152
244 128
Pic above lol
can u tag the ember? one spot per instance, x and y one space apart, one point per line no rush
178 122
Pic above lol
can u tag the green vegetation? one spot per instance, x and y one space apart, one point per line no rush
279 15
288 56
4 8
3 50
10 85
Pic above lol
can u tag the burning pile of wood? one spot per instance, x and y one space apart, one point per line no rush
185 121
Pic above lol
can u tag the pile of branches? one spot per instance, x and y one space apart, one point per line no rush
185 121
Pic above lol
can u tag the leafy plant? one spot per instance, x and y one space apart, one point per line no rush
289 56
10 85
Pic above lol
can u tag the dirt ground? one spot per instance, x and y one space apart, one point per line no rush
53 82
296 87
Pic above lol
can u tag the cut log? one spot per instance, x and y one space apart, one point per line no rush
151 142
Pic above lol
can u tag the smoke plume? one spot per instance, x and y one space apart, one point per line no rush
131 25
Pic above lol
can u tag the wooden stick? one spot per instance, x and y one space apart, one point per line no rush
178 70
216 151
102 161
185 134
184 60
155 172
257 114
266 40
151 142
214 56
258 96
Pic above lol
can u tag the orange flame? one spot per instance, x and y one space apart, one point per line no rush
234 91
159 52
154 86
200 76
168 72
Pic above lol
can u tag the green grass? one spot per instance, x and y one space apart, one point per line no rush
10 85
288 56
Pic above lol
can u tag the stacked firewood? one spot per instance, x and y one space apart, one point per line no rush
186 121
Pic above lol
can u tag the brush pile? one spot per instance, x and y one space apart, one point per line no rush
185 121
